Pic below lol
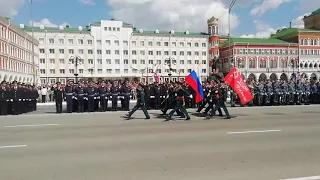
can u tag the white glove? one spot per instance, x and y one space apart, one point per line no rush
191 96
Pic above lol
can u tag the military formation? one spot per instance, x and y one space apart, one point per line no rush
281 92
17 98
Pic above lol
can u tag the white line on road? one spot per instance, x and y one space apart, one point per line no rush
262 131
306 178
32 125
14 146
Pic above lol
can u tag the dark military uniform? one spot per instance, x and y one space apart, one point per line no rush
91 93
140 103
114 90
69 96
4 98
80 96
102 91
221 98
58 94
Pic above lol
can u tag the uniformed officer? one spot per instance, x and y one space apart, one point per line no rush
69 91
4 98
102 91
298 88
306 92
221 98
156 90
80 95
114 90
140 103
58 94
269 92
91 93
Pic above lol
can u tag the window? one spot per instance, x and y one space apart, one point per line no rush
150 53
158 53
125 43
42 51
125 52
61 61
134 52
125 61
142 53
61 51
51 51
204 71
99 61
134 43
181 53
196 44
134 61
117 71
108 61
52 61
117 52
99 51
71 51
42 61
174 53
116 42
108 52
70 41
99 71
89 41
62 71
188 44
80 71
174 44
196 53
189 62
108 42
80 41
141 43
150 61
189 53
166 53
90 51
80 51
117 61
41 40
42 71
158 43
142 62
166 44
252 63
52 71
99 42
204 53
150 43
90 61
196 62
109 71
71 71
52 81
126 71
181 61
51 41
181 44
159 62
118 29
273 64
204 44
61 41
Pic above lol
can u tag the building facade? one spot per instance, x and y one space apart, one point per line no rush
290 52
18 54
111 49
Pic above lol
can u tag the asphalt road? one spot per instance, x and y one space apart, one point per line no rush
268 143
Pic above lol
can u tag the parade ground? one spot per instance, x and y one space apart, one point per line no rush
259 143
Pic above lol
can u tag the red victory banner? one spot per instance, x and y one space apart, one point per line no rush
235 81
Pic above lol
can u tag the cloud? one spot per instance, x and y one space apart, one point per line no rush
263 30
266 6
46 22
87 2
9 8
173 15
309 5
298 22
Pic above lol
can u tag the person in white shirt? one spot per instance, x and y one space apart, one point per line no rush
44 92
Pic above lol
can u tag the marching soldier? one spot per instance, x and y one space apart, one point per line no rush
140 103
58 94
221 98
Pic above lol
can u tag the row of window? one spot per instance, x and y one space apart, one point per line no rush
15 66
15 52
126 52
125 61
268 51
15 38
117 71
309 52
117 43
111 28
263 64
308 42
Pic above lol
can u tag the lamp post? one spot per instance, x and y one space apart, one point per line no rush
229 29
76 60
168 61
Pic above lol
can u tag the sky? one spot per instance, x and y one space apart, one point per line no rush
249 18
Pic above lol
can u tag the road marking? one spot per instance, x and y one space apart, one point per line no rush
14 146
262 131
305 178
32 125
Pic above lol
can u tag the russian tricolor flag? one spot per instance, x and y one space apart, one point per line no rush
156 76
195 83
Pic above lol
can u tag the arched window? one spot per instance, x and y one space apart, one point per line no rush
305 42
262 63
273 63
310 65
301 65
305 65
252 63
284 63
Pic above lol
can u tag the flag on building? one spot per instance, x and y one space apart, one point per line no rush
156 76
194 82
236 82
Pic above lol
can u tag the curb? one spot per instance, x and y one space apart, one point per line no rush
64 103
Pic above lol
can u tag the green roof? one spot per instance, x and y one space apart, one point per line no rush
291 31
168 33
314 13
254 41
65 29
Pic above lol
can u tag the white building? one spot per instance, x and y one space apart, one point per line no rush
59 47
112 49
18 61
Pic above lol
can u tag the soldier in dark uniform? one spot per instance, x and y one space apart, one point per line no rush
276 93
91 93
291 91
147 92
69 91
221 98
15 98
58 94
4 98
114 90
80 95
298 87
269 93
306 92
212 101
156 92
102 91
284 89
178 102
313 90
126 91
140 103
203 103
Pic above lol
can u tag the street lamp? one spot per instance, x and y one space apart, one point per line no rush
168 61
76 60
229 28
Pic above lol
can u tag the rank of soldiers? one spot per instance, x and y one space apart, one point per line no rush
17 98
